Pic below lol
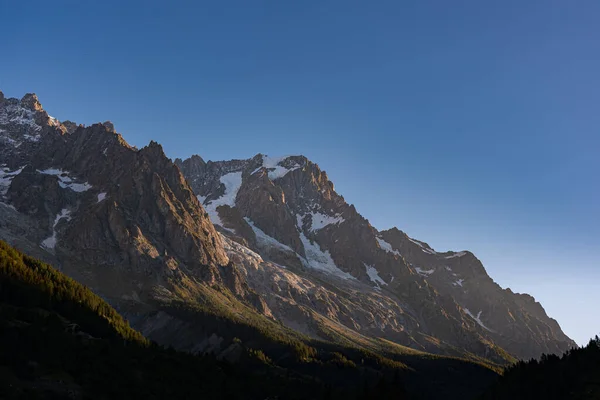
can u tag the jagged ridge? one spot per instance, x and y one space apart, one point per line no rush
127 223
287 210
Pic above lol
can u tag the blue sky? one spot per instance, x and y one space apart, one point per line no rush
468 124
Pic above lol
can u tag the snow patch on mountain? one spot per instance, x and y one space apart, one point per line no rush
8 206
15 114
374 275
299 222
65 181
425 249
424 272
459 254
232 182
321 260
386 246
101 196
50 242
265 240
476 318
6 177
320 220
458 282
276 171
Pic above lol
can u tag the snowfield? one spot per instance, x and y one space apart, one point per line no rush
276 171
50 242
320 221
477 318
386 246
65 181
425 249
232 182
374 275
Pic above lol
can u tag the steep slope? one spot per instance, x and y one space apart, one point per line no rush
86 198
120 220
515 321
62 341
66 342
127 224
381 284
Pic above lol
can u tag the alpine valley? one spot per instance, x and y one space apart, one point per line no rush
259 256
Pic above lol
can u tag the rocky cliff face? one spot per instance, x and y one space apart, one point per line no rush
515 321
138 229
121 220
419 297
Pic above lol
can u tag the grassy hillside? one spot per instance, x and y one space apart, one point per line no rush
60 340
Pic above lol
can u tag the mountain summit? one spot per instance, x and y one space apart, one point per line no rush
266 241
287 210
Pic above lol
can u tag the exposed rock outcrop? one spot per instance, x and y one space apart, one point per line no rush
140 230
296 212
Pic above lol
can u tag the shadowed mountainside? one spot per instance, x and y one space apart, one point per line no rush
288 268
67 342
574 376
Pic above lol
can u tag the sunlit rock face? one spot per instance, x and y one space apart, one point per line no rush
144 232
286 210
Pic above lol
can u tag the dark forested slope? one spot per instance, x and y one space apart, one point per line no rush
58 339
574 376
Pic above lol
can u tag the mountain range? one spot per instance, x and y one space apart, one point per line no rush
179 246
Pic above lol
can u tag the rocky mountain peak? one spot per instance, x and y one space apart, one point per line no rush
31 102
194 165
196 160
137 227
89 198
109 125
71 126
24 125
153 150
286 210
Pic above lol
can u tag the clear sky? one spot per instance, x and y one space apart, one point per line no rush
468 124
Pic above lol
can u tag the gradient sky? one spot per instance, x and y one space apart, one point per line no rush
468 124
